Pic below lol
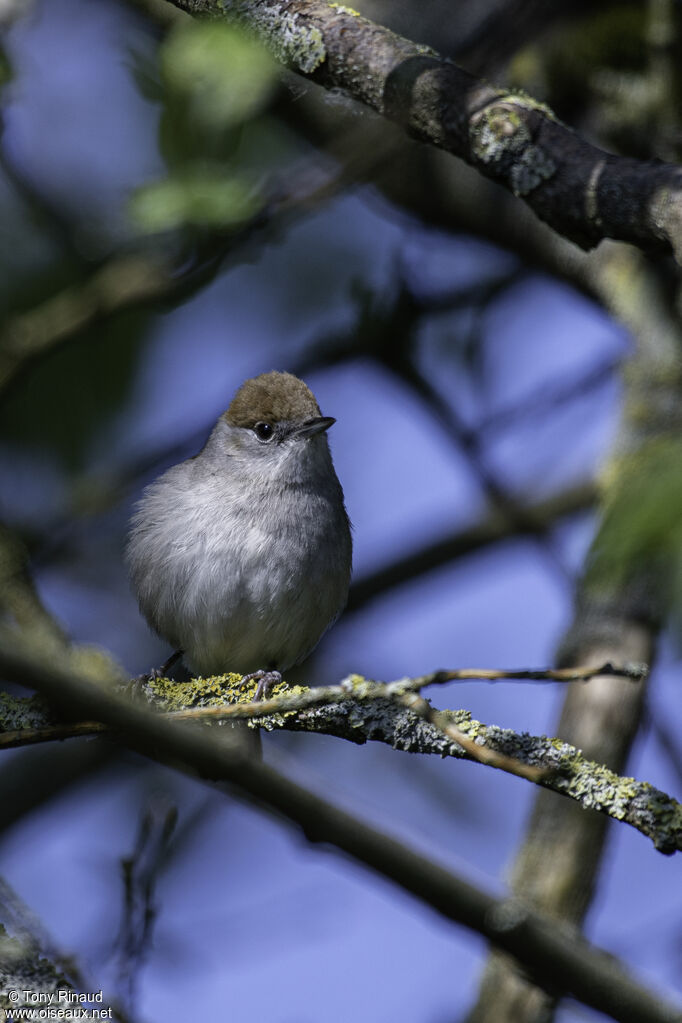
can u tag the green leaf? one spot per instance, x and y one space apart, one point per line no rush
225 74
201 198
642 524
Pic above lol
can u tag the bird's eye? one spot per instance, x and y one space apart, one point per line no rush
264 431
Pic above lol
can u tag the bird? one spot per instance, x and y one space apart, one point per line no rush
240 557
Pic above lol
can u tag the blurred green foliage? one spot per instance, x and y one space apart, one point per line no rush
641 529
200 198
215 81
217 73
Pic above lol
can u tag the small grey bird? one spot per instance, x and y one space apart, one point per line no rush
240 557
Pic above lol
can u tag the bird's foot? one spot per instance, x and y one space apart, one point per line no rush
267 680
162 672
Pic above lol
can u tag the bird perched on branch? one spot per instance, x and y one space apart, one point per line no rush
240 557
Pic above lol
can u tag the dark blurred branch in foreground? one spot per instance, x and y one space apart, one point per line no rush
360 710
28 782
32 779
556 958
122 282
583 192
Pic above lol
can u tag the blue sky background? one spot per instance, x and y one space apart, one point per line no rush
253 923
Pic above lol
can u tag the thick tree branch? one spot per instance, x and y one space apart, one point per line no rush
555 957
359 710
581 191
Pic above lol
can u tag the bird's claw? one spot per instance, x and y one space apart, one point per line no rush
267 680
154 674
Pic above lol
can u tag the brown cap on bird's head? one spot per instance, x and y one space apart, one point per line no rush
272 398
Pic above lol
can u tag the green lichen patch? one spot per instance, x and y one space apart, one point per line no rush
271 722
216 691
500 137
360 687
287 36
346 10
521 98
498 133
198 692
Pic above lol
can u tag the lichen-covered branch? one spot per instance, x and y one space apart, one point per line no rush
559 960
359 711
32 967
593 786
23 969
582 192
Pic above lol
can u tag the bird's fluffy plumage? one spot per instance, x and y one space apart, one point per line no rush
241 555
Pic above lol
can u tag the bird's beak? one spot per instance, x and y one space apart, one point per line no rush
313 426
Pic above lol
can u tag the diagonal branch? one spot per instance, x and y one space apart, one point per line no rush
360 710
555 956
138 279
494 528
581 191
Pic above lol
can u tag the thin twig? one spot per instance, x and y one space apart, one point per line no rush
633 672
